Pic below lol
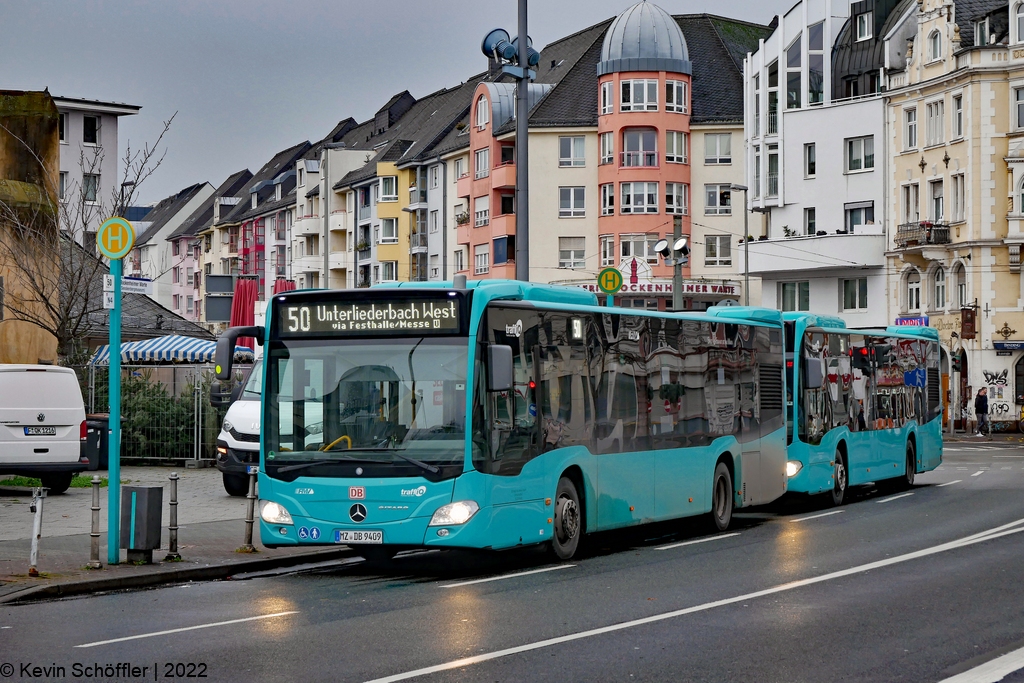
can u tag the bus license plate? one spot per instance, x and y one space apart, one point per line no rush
367 536
40 431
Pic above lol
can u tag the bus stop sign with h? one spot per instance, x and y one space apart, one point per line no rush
115 240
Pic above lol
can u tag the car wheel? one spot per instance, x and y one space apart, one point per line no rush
56 483
236 484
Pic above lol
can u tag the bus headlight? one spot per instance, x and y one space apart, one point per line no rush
454 514
792 467
274 513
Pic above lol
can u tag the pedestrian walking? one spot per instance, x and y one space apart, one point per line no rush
981 410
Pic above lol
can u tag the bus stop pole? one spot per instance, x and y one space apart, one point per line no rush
114 445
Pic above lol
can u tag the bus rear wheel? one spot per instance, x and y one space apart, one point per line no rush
721 498
840 479
567 520
908 477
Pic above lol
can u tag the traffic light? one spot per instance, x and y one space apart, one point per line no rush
957 363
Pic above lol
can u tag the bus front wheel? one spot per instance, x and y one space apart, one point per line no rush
840 479
721 498
567 520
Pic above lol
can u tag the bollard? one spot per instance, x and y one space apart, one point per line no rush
250 512
94 554
172 548
38 496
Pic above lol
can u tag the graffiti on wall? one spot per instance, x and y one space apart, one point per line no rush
1000 406
993 378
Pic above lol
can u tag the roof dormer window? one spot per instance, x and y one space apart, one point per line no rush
934 46
864 26
482 113
981 38
253 198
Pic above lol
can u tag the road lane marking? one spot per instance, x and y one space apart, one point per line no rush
1008 456
991 671
980 537
823 514
699 540
187 628
978 472
507 576
950 483
891 498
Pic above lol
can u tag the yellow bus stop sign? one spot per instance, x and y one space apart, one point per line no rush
115 238
609 280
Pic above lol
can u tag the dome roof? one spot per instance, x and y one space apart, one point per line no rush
644 38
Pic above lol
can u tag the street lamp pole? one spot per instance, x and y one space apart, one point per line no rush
746 244
523 153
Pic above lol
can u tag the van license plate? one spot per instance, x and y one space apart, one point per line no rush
40 431
367 536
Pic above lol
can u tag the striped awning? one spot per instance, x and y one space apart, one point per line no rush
170 349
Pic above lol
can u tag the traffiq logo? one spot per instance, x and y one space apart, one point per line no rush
416 492
514 330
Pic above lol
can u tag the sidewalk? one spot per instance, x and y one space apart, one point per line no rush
211 526
996 437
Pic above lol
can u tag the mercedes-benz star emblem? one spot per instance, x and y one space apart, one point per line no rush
357 512
41 417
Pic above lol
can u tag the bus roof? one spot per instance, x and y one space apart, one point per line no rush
814 320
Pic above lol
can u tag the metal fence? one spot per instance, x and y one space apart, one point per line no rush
165 409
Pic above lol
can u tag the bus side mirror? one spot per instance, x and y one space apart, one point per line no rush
814 377
499 368
226 347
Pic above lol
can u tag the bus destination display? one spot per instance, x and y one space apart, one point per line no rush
421 316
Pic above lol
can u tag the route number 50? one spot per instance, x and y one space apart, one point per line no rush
300 321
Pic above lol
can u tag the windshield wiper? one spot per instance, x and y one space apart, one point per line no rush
419 463
326 461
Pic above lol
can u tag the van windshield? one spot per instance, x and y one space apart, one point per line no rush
254 384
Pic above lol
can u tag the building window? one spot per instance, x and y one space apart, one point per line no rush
717 250
935 45
483 112
572 202
435 176
640 147
933 123
816 63
940 288
90 187
63 188
810 221
175 275
793 75
773 171
572 252
607 98
639 198
677 198
434 216
958 197
810 160
864 26
639 246
571 151
189 303
481 211
717 200
1019 97
859 213
1020 22
91 130
460 168
773 98
795 296
855 294
389 231
389 188
639 95
910 129
176 301
717 149
176 248
958 116
388 271
460 261
62 123
981 37
607 148
608 199
675 147
757 171
607 250
482 163
911 203
676 98
481 259
501 248
935 193
914 291
860 154
960 282
508 204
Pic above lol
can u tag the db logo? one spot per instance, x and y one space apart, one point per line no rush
356 492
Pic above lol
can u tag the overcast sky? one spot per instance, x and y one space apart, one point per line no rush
251 77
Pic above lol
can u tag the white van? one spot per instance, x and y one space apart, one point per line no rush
238 444
42 424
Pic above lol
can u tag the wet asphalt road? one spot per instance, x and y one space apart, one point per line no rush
889 587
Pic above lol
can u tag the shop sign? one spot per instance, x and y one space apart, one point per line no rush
921 321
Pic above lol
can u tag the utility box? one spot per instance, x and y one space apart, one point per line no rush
141 510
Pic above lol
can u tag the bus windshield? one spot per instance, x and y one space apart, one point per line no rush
372 402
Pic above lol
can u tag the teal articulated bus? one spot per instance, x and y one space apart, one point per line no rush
500 414
863 405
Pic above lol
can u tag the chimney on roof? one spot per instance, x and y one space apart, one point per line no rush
493 67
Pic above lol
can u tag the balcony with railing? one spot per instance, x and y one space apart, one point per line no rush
773 184
920 234
418 240
307 225
465 185
630 159
504 176
364 213
773 122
